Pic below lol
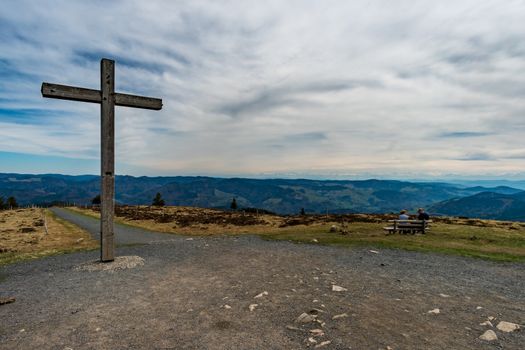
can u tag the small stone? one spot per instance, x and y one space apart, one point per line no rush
338 289
479 307
305 318
316 278
311 340
260 295
486 323
489 336
336 317
389 348
317 332
7 300
315 311
507 327
97 329
80 240
315 240
444 295
374 251
22 330
227 307
434 311
292 328
253 306
333 228
189 239
324 343
491 318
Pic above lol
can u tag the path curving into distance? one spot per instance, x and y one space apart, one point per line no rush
123 234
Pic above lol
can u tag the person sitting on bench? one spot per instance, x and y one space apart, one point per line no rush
403 215
421 215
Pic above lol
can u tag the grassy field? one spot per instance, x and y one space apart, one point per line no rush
487 239
23 235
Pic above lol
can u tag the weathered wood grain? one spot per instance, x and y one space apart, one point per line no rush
73 93
135 101
107 139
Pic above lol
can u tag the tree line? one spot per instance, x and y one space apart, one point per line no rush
158 201
9 203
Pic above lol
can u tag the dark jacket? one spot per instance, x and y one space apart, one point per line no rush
423 216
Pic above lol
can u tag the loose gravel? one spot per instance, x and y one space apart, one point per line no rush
200 294
120 263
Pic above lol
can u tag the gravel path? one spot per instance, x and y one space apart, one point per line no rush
123 234
196 293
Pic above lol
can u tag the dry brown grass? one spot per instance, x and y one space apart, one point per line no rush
490 239
23 235
200 221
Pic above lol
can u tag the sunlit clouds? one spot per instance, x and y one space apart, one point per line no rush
295 88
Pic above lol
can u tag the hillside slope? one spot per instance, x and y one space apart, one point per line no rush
484 205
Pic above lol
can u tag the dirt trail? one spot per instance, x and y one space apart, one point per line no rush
196 293
123 234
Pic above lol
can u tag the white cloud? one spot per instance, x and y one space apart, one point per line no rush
275 87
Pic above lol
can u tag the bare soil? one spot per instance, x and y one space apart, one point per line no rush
196 293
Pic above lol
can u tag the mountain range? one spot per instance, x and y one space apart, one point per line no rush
282 196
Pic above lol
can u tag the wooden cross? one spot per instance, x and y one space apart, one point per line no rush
108 99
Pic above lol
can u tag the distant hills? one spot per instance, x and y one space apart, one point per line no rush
278 195
484 205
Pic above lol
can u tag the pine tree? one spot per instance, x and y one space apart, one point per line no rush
303 212
158 201
11 203
96 200
2 205
233 205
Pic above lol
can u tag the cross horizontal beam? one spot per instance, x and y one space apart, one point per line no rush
73 93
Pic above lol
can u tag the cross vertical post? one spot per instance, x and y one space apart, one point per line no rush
107 148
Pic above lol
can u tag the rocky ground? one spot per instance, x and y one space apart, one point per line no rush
246 293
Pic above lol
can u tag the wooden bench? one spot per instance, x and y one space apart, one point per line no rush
408 226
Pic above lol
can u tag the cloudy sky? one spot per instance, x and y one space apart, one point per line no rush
346 89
